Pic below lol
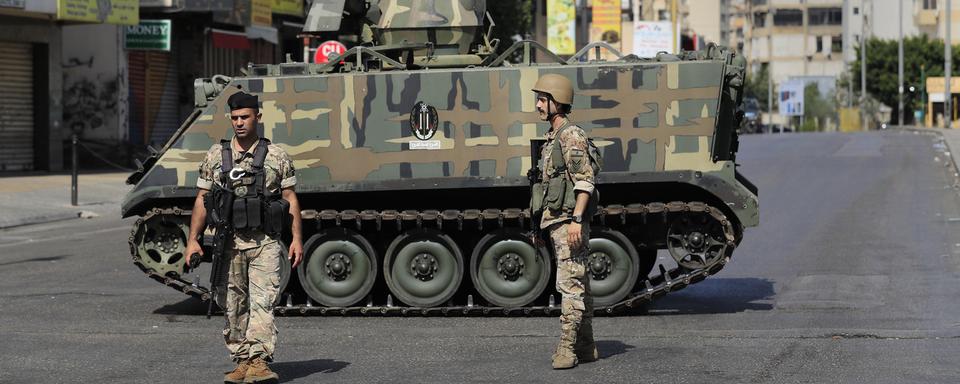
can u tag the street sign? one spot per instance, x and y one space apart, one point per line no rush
327 48
153 35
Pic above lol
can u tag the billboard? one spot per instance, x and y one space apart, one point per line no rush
561 27
606 23
100 11
790 97
650 37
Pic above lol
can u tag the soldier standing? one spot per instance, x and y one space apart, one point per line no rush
568 197
260 172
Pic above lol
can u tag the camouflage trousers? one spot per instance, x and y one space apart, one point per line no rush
573 283
252 288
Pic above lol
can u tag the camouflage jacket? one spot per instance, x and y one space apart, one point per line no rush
573 143
279 175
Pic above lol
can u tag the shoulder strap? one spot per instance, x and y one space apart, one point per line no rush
558 150
226 158
260 153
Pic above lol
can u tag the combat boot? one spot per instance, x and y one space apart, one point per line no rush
564 358
259 372
238 374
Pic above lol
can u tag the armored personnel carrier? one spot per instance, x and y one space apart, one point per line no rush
412 150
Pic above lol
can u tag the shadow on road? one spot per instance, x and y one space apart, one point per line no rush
718 295
35 260
610 348
190 306
290 370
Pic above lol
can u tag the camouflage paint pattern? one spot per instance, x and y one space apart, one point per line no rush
445 23
280 173
576 304
252 287
650 119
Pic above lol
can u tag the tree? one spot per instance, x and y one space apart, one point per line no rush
816 108
513 18
918 52
756 87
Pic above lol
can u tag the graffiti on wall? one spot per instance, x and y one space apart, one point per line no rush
88 102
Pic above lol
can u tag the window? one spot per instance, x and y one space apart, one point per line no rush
837 44
664 15
819 44
788 17
759 19
825 16
759 2
856 10
929 4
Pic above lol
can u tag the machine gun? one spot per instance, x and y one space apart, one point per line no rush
219 205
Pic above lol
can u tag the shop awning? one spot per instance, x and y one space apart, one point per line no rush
229 39
266 33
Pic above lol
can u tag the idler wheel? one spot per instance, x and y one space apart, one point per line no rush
613 266
423 267
159 243
507 270
339 267
695 240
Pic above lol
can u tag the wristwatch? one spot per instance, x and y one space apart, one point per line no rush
577 218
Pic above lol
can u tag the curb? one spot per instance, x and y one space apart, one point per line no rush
40 219
939 131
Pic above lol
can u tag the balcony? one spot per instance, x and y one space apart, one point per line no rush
926 17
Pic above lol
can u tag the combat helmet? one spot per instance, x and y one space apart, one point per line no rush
557 86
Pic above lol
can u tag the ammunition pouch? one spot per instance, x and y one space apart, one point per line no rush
536 197
277 217
246 202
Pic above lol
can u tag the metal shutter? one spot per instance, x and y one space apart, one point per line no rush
154 112
16 106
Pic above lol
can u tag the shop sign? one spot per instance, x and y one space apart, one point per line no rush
288 7
12 3
151 35
100 11
261 12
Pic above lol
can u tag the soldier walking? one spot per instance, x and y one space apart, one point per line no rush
260 175
568 179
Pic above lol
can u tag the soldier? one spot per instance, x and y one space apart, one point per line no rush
258 171
569 195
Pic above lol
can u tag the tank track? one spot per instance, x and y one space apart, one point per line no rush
650 289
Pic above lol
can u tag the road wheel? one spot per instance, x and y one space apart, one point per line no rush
507 270
613 266
423 267
339 267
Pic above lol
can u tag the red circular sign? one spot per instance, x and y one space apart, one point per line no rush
326 49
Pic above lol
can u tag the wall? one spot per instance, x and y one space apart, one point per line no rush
94 82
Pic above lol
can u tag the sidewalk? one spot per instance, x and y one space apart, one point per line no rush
26 200
951 137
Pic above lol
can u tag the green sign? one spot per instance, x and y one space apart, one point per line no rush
149 35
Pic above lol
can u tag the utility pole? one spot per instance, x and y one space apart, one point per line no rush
863 63
900 64
948 66
675 20
846 49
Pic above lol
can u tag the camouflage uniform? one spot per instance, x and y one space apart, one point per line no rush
573 283
254 279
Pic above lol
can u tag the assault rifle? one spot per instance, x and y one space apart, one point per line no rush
219 205
535 176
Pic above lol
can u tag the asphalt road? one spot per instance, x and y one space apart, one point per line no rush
851 277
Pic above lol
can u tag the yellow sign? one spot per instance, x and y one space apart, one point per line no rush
288 7
260 12
606 24
561 27
100 11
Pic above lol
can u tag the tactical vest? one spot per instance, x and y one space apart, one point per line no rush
558 193
253 207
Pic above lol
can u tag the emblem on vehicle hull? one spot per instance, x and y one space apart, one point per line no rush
423 121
